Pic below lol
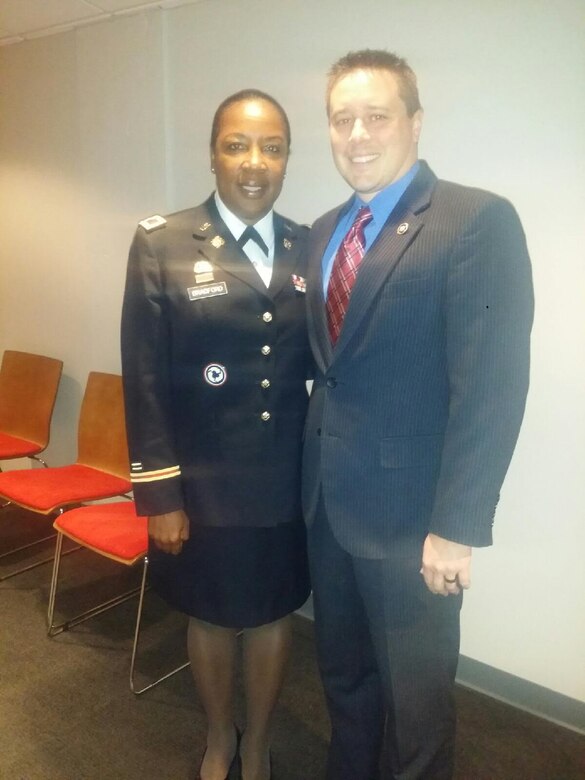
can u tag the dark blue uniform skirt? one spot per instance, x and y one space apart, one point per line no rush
235 577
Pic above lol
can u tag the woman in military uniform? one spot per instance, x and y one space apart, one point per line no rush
215 356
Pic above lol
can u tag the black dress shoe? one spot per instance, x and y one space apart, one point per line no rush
235 769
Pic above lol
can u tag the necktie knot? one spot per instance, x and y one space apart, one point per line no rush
251 234
362 218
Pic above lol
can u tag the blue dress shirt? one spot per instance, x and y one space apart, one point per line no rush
381 206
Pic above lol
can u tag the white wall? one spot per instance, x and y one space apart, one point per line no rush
108 124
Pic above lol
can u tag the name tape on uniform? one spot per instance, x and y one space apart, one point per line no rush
209 291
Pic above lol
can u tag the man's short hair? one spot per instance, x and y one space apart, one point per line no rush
378 59
238 97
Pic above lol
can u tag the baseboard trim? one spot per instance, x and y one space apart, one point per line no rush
515 691
522 694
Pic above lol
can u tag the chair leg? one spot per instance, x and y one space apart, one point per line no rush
54 629
133 688
54 579
26 546
31 566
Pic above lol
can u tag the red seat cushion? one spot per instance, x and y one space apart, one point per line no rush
43 490
112 530
13 447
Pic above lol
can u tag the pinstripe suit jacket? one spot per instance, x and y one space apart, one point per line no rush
415 413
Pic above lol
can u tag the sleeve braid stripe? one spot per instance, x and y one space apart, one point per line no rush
153 476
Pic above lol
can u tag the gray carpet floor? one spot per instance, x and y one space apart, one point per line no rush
66 711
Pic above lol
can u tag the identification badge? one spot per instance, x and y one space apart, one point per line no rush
208 291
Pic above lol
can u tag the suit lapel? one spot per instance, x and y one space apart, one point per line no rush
399 232
318 332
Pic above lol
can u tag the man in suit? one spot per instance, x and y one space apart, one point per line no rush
419 314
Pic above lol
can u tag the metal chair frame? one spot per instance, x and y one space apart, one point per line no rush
35 565
31 457
55 629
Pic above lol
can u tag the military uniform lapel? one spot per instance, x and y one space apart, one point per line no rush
216 244
286 255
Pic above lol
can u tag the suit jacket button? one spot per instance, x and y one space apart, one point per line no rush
267 316
318 431
265 383
265 416
266 350
332 382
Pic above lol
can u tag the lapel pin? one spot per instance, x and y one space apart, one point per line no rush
217 242
402 228
287 244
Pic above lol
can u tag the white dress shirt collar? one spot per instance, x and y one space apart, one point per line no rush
265 228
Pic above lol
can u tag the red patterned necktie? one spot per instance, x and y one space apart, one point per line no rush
344 272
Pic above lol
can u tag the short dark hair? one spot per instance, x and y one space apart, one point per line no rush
377 59
238 97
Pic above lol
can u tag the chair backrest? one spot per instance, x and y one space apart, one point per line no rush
101 433
28 388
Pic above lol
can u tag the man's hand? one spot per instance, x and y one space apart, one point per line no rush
169 531
446 565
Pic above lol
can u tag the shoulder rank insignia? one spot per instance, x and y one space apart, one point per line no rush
153 223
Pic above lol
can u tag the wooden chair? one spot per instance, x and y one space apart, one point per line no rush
28 388
101 470
116 532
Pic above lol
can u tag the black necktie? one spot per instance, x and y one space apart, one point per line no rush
251 233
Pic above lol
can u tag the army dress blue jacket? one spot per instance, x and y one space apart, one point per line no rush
214 367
